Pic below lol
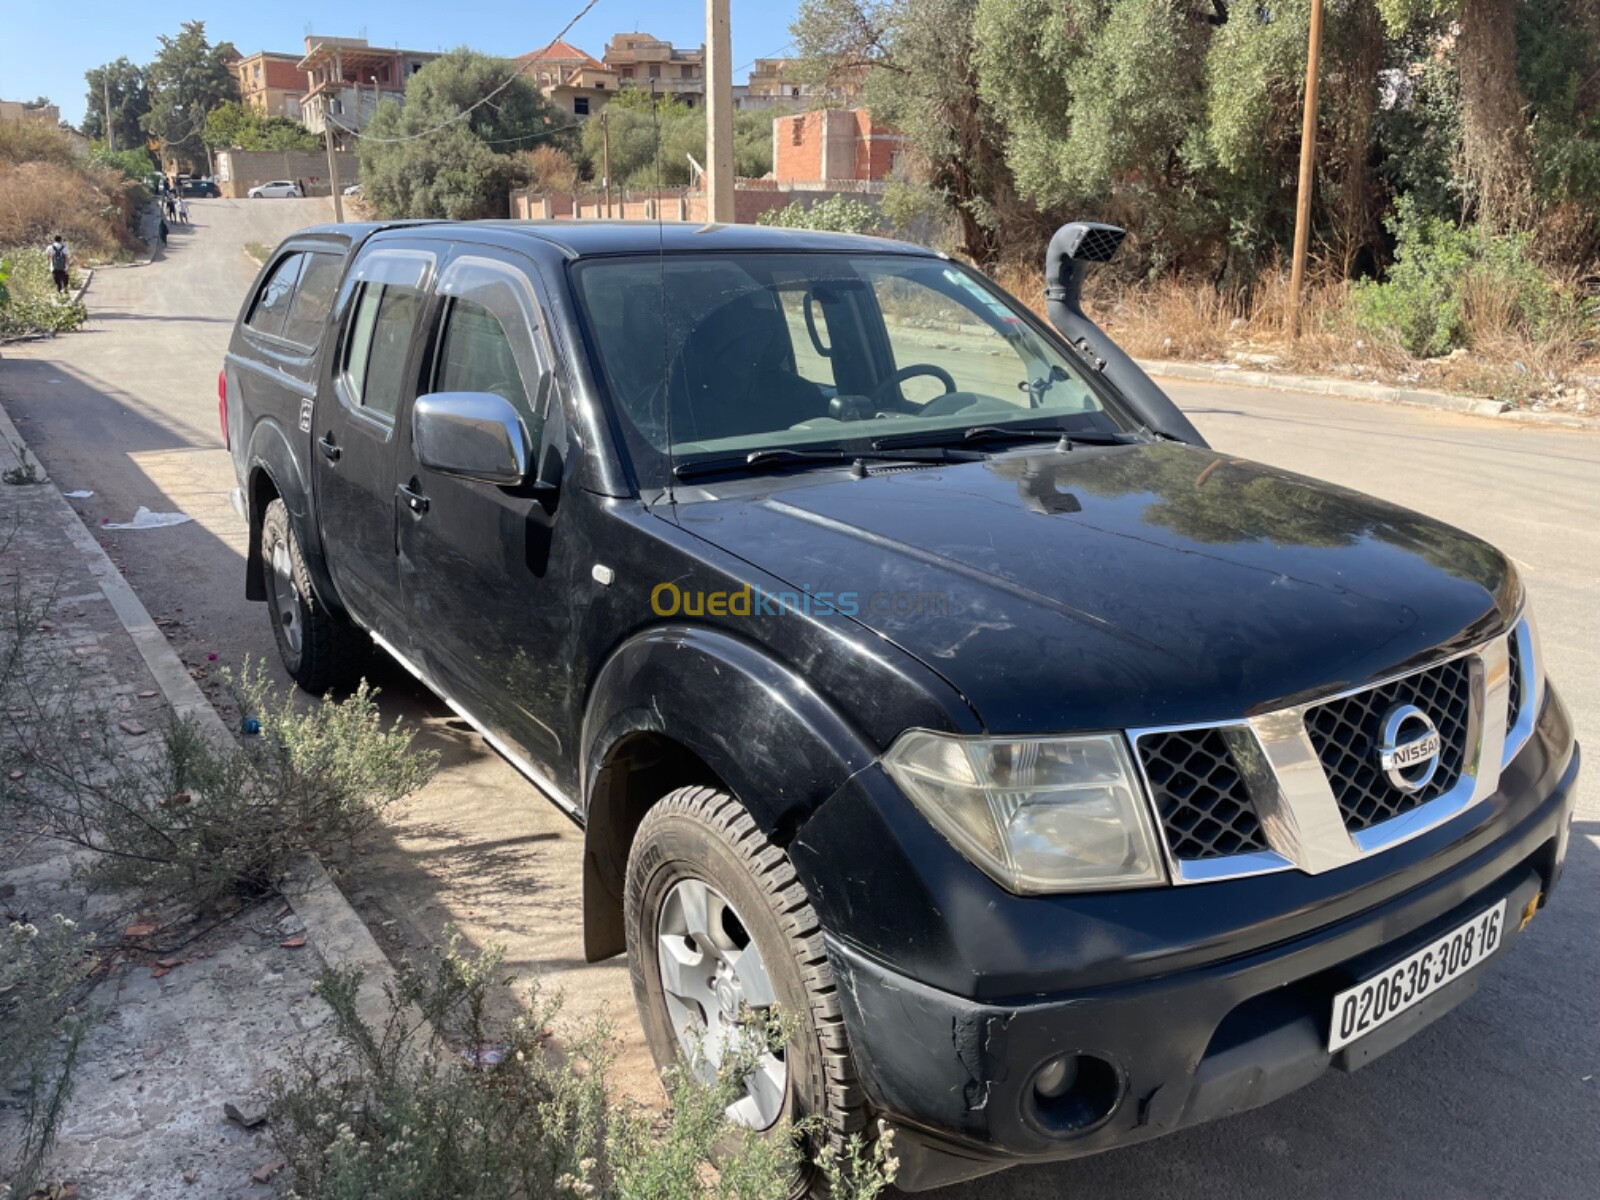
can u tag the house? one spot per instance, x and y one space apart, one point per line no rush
271 83
831 145
574 81
346 79
642 59
778 82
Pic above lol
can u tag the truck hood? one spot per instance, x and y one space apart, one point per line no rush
1123 586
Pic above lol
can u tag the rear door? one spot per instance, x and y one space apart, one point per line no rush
486 570
371 377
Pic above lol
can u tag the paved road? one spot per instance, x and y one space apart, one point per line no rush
1500 1099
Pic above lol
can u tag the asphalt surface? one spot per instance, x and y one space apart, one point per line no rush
1500 1098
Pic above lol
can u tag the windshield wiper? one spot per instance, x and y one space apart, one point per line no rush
785 456
1005 433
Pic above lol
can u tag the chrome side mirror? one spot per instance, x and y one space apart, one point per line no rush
473 435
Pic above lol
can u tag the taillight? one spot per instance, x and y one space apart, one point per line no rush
222 406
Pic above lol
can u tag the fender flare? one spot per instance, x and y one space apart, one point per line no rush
271 455
747 719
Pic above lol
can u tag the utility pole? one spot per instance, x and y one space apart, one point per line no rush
105 94
605 156
1308 164
333 166
719 114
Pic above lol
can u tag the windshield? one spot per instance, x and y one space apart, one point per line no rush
737 353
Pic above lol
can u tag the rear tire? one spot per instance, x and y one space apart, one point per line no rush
320 649
703 839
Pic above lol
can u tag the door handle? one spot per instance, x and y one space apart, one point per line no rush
330 451
415 500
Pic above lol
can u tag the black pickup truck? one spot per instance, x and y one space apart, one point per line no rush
911 665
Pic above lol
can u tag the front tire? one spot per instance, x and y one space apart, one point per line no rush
320 649
705 891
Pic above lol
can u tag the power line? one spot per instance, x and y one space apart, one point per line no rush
789 45
465 112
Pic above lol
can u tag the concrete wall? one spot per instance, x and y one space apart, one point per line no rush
240 170
750 199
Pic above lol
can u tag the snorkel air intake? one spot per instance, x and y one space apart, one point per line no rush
1072 249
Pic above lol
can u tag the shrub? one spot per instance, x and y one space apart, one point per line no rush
135 165
28 300
41 968
194 821
546 169
836 214
440 1101
1452 286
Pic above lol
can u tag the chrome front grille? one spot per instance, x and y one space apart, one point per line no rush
1200 794
1514 705
1348 731
1306 786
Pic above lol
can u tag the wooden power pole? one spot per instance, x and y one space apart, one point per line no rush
605 163
719 114
105 94
333 168
1308 164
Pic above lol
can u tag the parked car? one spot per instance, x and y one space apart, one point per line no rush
276 190
204 186
912 666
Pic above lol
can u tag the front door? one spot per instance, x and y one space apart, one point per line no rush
486 575
354 434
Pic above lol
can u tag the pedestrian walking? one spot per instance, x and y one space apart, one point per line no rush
60 257
183 210
161 231
172 207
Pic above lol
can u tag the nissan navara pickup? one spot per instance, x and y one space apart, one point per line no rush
911 665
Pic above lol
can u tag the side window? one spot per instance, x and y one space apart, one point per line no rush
272 303
392 325
386 295
358 345
308 312
493 339
476 356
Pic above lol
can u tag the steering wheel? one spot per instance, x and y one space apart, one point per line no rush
911 372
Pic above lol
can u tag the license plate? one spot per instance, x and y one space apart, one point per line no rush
1376 1001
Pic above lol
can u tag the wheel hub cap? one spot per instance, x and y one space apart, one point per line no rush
717 990
285 596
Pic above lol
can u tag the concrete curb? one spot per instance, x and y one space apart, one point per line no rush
1360 390
335 930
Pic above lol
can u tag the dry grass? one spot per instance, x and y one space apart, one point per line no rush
1190 320
90 206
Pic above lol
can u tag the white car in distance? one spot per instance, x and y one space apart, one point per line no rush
275 190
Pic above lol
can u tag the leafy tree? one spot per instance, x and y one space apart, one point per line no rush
447 152
188 79
638 124
129 93
237 125
919 59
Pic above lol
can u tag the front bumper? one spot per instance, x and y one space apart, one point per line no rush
955 1075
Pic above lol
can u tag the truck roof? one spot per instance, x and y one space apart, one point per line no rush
584 239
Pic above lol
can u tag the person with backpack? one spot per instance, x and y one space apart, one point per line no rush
59 257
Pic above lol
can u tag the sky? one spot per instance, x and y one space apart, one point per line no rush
47 45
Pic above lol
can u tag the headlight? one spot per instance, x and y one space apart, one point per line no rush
1037 814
